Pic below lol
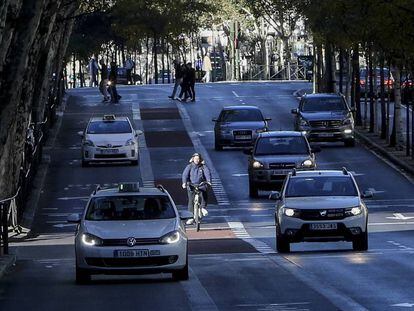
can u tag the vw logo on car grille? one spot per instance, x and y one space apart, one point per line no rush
325 124
323 213
131 242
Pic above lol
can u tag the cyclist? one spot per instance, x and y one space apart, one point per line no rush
196 172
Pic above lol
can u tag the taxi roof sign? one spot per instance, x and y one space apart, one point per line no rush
128 187
109 117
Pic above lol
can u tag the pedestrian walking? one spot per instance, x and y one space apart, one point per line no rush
93 72
178 78
207 68
191 81
113 75
129 66
185 85
103 84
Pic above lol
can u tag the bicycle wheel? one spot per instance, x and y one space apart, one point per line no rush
197 213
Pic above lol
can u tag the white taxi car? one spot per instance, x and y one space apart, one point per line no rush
109 139
130 230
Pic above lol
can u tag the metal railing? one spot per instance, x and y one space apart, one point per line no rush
288 72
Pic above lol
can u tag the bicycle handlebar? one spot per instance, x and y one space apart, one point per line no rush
198 185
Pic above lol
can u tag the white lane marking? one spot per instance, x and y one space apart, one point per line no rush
72 198
240 232
390 223
64 225
375 191
197 295
400 216
240 175
235 94
222 198
291 306
404 305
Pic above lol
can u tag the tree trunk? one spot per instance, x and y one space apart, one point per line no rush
382 95
357 93
371 92
329 74
341 70
155 58
397 129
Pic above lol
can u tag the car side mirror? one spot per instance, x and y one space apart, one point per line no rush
268 119
274 195
80 133
186 215
367 194
316 149
138 132
294 111
74 218
248 151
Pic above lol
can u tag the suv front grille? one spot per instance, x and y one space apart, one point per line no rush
322 214
277 166
327 123
111 147
123 242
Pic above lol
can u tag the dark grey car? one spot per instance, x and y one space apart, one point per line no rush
275 155
325 117
238 126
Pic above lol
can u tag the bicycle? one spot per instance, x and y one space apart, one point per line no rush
197 202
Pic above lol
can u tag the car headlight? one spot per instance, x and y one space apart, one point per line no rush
261 130
257 164
307 163
88 143
290 212
347 122
130 142
91 240
303 122
354 211
170 238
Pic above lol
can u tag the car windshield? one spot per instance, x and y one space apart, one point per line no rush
281 146
241 115
111 127
321 186
323 104
130 208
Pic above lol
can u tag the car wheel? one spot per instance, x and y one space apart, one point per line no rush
361 243
134 162
253 190
282 246
217 146
85 163
350 142
82 276
181 275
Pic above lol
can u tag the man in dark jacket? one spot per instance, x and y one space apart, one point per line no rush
191 81
178 78
113 76
195 173
103 85
185 85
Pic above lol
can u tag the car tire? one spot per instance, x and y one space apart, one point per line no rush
83 276
253 190
134 162
85 163
350 142
217 146
361 243
282 246
182 274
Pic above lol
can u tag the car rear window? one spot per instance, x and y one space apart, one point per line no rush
321 186
241 115
321 104
130 208
111 127
281 146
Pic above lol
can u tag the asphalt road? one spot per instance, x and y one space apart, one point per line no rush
234 265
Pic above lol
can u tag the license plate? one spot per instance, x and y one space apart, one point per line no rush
109 151
326 135
323 226
243 137
131 253
281 172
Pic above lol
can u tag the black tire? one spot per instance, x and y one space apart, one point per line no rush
217 146
134 162
282 246
253 190
361 243
350 142
85 163
181 275
82 276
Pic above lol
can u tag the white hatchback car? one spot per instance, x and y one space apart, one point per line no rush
131 230
109 139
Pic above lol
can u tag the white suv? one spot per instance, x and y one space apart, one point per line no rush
316 206
109 139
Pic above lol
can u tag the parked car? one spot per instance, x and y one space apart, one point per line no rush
365 86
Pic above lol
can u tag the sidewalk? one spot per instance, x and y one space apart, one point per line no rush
6 263
378 145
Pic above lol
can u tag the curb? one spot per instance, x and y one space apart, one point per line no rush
383 152
6 263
